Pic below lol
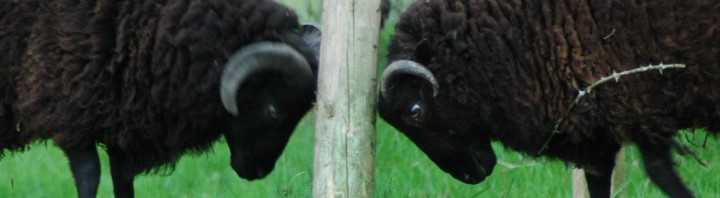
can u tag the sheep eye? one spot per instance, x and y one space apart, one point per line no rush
416 112
272 111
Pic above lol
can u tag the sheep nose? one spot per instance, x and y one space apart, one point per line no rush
250 173
249 169
261 172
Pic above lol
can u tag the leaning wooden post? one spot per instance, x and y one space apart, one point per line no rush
579 186
618 178
345 117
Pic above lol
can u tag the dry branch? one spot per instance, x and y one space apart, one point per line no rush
581 93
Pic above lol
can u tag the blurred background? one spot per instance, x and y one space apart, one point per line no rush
402 170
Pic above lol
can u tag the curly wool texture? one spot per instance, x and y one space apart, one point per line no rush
142 76
514 67
13 28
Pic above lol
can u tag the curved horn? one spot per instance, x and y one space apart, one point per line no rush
410 68
257 57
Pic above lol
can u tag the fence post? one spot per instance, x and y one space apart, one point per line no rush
345 118
618 178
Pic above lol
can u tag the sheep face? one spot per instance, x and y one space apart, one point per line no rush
408 103
268 114
266 88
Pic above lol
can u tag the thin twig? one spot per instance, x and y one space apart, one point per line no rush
581 93
686 150
689 140
509 187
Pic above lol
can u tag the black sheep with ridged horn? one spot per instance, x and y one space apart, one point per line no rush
465 73
153 80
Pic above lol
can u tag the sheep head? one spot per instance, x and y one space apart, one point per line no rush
266 87
408 100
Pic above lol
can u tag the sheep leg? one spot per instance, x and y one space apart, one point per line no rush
659 166
122 172
599 175
599 183
85 166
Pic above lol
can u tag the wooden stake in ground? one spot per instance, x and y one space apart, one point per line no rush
579 186
345 117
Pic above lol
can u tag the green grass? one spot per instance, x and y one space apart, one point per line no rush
43 171
401 169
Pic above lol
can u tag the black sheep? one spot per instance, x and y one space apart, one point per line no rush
468 72
152 80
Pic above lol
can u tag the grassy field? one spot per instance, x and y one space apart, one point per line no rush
401 169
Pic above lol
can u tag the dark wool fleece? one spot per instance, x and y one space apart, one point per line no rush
514 68
136 74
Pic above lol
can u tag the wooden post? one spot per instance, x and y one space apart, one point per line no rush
580 186
618 178
345 118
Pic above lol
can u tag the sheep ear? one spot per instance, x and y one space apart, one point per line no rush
384 12
312 35
423 51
